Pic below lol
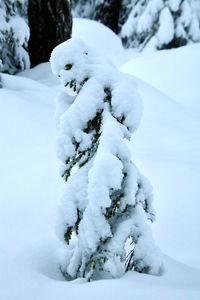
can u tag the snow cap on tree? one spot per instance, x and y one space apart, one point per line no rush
158 24
107 202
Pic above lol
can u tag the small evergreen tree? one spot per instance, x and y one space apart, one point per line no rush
107 201
157 24
14 35
50 23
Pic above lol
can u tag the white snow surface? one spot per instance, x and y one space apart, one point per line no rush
175 72
165 148
100 38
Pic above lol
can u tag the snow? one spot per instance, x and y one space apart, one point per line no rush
174 4
4 24
21 32
168 154
175 143
146 20
170 71
42 73
107 43
166 30
166 149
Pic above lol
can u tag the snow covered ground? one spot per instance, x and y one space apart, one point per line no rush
166 148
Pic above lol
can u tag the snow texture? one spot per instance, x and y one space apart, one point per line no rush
108 43
102 210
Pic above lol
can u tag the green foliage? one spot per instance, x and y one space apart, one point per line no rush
68 234
68 67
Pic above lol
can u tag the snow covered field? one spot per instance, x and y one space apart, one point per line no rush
166 148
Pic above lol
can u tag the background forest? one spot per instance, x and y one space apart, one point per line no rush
29 30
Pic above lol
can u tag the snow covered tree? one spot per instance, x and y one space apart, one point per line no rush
107 202
50 23
158 24
14 35
125 9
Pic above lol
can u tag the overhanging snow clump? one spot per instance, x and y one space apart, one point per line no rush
107 202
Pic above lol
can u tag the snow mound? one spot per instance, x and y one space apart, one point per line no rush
175 72
166 147
100 38
41 73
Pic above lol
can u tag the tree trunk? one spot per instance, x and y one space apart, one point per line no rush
50 23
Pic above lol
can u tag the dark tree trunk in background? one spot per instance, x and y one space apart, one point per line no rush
50 23
107 12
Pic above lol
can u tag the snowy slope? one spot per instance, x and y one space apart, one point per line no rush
170 131
165 148
175 72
